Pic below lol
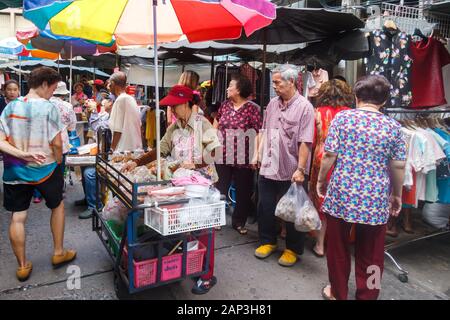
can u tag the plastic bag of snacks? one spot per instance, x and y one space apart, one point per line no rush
114 210
290 203
307 218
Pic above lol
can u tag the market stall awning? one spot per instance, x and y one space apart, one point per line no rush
302 25
52 64
352 45
440 7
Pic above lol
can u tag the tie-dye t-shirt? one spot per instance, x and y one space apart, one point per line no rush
360 186
30 125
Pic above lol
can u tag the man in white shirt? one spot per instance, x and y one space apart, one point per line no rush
125 121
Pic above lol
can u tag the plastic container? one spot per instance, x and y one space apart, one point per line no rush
144 271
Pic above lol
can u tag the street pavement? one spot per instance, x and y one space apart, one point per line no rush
240 275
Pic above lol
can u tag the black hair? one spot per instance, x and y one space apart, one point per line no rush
338 77
12 81
43 74
372 89
243 84
195 100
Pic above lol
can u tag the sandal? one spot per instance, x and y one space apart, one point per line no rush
242 230
325 295
318 255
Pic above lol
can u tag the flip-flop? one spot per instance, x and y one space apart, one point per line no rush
317 254
241 230
325 296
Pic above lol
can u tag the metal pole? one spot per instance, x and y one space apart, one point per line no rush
20 75
263 80
212 65
70 73
155 50
163 73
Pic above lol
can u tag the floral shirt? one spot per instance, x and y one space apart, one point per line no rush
244 119
360 185
390 56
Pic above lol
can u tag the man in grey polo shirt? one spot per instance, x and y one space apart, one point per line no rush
288 131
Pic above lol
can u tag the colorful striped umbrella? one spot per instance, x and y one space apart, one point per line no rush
144 22
131 21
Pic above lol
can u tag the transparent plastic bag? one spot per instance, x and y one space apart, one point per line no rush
291 202
307 218
114 210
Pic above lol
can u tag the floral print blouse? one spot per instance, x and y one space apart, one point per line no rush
359 188
390 56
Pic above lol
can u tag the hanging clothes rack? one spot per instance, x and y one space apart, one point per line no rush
403 275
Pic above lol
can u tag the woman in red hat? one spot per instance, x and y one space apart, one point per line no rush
192 140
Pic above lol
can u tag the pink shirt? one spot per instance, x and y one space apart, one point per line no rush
284 128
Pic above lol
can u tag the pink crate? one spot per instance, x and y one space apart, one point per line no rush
144 271
195 259
171 267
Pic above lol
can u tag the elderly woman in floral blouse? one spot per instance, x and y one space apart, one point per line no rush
238 121
369 153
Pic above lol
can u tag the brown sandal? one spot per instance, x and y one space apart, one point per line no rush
66 257
325 295
23 273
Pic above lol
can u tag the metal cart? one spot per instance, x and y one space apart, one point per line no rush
126 282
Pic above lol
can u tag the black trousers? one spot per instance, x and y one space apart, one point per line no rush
243 180
270 191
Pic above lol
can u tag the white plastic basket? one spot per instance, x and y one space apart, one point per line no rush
171 219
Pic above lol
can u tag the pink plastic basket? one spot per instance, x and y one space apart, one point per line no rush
144 271
195 260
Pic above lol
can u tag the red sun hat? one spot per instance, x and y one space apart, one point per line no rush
99 82
179 94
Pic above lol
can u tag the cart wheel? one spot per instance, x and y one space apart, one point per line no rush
120 288
403 277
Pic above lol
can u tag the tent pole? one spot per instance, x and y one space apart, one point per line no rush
163 73
158 131
70 76
263 80
20 75
212 64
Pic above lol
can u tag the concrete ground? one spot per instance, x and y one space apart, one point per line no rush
240 275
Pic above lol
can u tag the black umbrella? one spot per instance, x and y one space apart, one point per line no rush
300 26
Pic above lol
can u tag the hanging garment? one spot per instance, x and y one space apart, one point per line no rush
427 81
300 82
150 128
250 72
390 56
221 80
309 84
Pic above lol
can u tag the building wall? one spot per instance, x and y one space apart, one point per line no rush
12 20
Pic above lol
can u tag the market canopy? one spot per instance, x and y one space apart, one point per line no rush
302 25
52 64
352 45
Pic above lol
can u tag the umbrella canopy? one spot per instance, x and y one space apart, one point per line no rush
10 46
302 25
47 41
199 20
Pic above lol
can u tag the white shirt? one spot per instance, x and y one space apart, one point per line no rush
126 119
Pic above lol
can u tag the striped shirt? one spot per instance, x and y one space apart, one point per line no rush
29 125
284 128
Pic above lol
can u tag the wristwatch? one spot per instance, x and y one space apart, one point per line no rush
302 170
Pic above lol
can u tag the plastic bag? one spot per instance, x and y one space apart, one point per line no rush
114 210
307 218
291 202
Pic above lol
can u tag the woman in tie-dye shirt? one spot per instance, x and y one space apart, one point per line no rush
369 153
32 125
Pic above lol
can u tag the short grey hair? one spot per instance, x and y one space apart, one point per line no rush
288 72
